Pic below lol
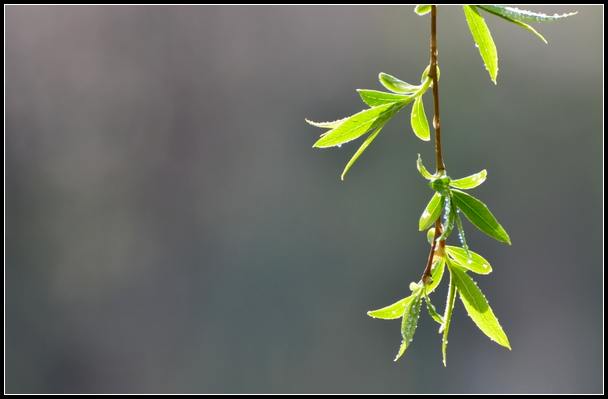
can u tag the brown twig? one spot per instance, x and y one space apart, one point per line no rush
440 166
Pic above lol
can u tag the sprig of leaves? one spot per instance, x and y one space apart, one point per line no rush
483 38
450 199
383 106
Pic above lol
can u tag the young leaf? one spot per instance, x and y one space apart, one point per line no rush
375 97
409 322
436 274
359 151
447 318
471 181
422 169
396 85
478 213
392 311
356 125
523 15
432 311
431 212
473 261
516 22
477 307
327 125
449 215
461 235
422 9
483 39
420 125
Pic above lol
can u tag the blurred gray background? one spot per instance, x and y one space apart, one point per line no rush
170 229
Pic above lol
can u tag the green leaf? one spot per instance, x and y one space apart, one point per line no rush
359 151
516 22
449 216
436 274
357 125
523 15
422 9
327 125
396 85
483 39
477 307
432 311
471 181
420 125
478 213
392 311
431 212
461 235
422 169
447 318
473 261
409 323
375 97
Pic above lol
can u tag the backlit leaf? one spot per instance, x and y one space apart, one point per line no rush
375 97
431 212
473 261
422 169
409 323
419 122
477 306
359 151
447 318
437 270
357 125
478 213
392 311
524 15
516 22
396 85
471 181
483 39
327 125
422 9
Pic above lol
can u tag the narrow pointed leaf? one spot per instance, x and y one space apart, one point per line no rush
409 323
483 39
431 212
327 125
392 311
356 126
475 262
516 22
523 15
420 124
422 9
449 215
478 308
396 85
359 151
478 213
461 235
374 97
447 318
432 311
437 270
469 182
422 169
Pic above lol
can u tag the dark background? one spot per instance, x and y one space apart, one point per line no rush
170 229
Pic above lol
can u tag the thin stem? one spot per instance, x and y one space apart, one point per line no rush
433 74
426 275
